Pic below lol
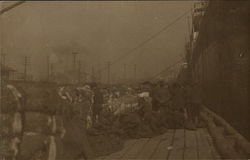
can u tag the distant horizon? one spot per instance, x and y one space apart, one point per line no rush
100 32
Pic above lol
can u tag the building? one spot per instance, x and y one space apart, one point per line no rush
6 72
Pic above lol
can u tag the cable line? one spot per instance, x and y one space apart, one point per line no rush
11 7
149 39
166 69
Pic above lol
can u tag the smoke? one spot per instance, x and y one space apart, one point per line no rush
99 32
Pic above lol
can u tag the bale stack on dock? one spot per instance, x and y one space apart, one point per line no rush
41 125
76 105
10 122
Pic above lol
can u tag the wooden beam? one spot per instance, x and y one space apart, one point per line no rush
224 145
241 141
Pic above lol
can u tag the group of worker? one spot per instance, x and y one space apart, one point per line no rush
160 105
177 104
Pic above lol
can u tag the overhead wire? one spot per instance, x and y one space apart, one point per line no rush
129 52
2 11
167 68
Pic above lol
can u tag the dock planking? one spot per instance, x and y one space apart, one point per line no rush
178 145
127 146
134 150
191 147
161 151
152 146
208 138
204 151
174 144
148 150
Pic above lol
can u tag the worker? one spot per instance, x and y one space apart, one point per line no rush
161 96
196 101
98 102
145 101
189 123
75 141
155 96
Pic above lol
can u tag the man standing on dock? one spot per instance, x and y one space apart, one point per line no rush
161 98
195 102
98 102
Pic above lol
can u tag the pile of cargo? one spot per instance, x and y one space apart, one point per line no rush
82 139
129 115
49 123
42 125
75 106
122 104
10 122
31 126
77 101
105 137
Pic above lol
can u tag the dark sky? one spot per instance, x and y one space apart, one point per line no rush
99 31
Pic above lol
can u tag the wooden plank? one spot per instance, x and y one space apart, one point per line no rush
128 144
191 148
134 150
209 139
205 150
161 151
178 145
150 147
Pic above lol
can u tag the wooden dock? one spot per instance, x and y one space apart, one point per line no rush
174 144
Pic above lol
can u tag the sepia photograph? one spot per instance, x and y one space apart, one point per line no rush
125 80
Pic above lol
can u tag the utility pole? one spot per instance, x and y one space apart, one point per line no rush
48 69
3 59
52 69
84 73
74 66
109 64
79 71
74 60
135 70
93 74
99 74
124 72
26 63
